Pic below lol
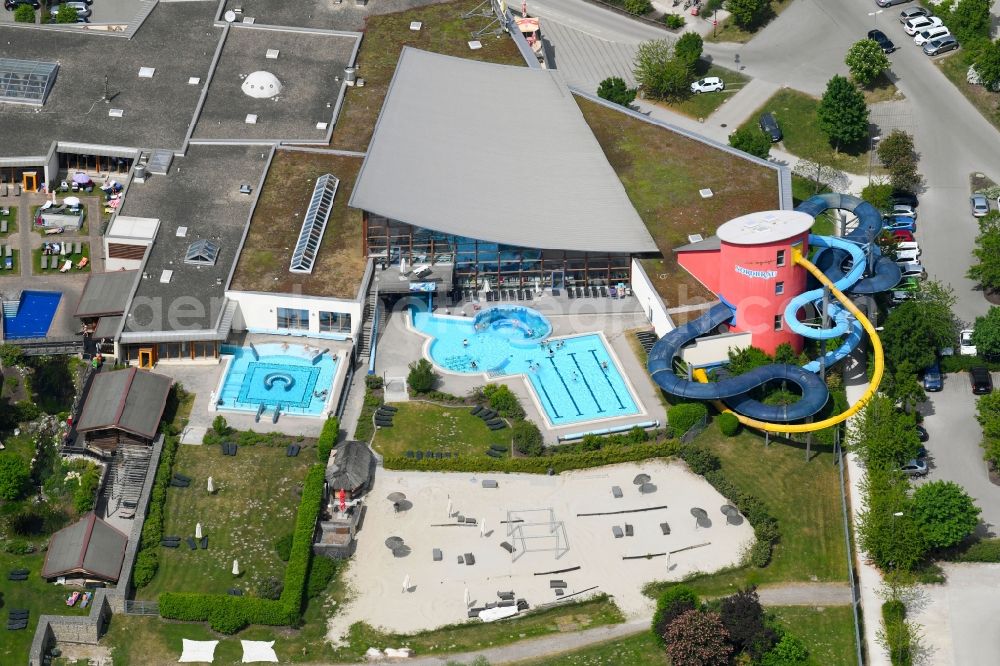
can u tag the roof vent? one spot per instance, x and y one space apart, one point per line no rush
322 126
261 85
166 276
202 253
695 238
194 80
182 232
249 20
416 25
706 193
272 54
245 189
230 15
116 113
146 72
251 119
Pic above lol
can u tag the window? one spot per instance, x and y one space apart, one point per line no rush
777 322
779 288
334 322
293 318
781 257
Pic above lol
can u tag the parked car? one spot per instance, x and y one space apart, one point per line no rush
965 345
899 223
927 35
932 382
901 295
79 19
708 84
903 235
923 437
940 45
903 210
12 4
769 126
908 245
914 468
913 12
915 25
890 3
912 269
880 38
982 382
979 204
906 256
901 197
82 10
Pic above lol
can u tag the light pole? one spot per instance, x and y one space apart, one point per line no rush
872 142
895 515
875 14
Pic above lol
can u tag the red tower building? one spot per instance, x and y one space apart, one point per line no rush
749 265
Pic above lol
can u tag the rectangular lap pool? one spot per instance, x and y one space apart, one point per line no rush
31 317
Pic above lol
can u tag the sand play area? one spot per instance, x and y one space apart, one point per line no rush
547 535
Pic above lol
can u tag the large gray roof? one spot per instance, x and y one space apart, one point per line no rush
106 293
497 153
126 399
89 546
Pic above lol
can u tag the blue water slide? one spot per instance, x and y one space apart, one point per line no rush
734 390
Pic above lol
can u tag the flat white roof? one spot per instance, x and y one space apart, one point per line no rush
762 227
496 153
135 228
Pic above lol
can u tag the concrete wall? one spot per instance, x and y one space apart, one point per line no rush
258 313
652 304
715 348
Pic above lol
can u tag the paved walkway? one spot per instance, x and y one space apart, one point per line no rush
806 594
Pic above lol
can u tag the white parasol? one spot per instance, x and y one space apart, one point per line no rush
197 531
236 567
211 485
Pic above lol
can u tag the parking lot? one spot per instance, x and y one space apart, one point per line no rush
953 447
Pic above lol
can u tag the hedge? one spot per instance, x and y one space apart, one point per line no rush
685 416
327 438
984 550
148 559
228 614
897 633
559 462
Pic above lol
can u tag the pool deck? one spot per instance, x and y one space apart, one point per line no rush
400 345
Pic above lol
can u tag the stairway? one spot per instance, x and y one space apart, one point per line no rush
10 309
226 323
373 320
126 476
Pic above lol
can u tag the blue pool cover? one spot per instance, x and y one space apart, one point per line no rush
33 316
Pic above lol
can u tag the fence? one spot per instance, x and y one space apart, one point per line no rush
694 431
838 457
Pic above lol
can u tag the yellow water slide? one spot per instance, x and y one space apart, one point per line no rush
798 258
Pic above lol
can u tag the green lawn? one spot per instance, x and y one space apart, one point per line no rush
638 650
727 31
828 633
255 502
988 103
11 221
15 264
796 113
882 89
805 499
703 105
36 261
444 31
421 426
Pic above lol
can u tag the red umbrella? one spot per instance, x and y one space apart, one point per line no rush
343 500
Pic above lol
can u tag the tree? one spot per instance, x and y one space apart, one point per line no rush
751 140
986 333
882 436
15 473
66 14
698 638
987 65
866 61
842 113
749 14
879 194
896 147
903 387
527 438
987 252
916 330
743 617
742 361
887 529
660 72
673 603
945 513
688 48
11 355
24 14
787 652
638 7
614 89
969 20
422 376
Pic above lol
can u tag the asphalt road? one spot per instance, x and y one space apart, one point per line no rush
953 442
802 49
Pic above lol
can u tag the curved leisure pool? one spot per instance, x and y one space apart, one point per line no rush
575 379
278 374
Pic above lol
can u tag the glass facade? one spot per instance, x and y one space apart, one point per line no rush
334 322
476 262
293 318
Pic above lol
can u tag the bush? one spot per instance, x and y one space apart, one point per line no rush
327 438
374 382
11 355
673 21
17 547
527 438
729 424
283 547
984 550
15 473
270 588
422 376
321 572
220 427
689 47
751 140
896 632
673 603
146 564
614 89
24 14
700 460
503 400
85 494
685 416
765 525
638 7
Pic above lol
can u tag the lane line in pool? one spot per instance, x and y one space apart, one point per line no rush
568 392
600 407
593 352
555 411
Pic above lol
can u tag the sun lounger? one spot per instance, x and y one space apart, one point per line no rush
203 543
191 543
170 544
292 450
665 528
499 447
234 592
470 559
177 483
490 483
382 423
474 612
18 613
45 262
437 555
506 603
617 531
491 604
3 227
80 265
461 559
17 578
409 453
616 492
493 422
470 521
554 583
77 249
522 605
231 448
182 477
17 625
494 454
389 408
475 410
224 448
419 455
428 454
497 426
503 596
94 585
20 572
507 546
66 266
629 530
559 591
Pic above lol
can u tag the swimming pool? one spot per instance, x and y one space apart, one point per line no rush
32 317
574 379
289 376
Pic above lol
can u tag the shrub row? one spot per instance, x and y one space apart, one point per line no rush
327 438
685 416
228 614
765 526
897 634
984 550
559 462
148 559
